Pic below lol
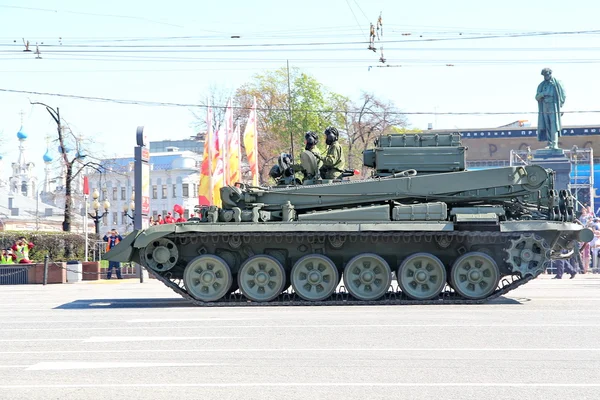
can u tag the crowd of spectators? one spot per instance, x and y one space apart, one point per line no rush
588 259
18 253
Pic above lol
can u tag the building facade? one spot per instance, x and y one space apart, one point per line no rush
174 179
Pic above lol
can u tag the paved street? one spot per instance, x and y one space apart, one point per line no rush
125 340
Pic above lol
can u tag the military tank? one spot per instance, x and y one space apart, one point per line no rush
421 229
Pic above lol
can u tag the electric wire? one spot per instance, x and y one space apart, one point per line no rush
276 109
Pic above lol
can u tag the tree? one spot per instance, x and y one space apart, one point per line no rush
285 113
218 97
365 121
68 143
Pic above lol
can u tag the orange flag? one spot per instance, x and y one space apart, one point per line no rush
251 143
205 197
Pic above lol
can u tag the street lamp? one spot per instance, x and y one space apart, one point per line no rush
131 207
96 207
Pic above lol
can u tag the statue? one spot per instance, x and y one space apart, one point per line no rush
551 97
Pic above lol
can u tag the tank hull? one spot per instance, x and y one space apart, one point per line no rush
286 244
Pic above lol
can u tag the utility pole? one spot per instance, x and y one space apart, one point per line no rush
291 125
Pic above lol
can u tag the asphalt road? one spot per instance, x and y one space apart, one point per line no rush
125 340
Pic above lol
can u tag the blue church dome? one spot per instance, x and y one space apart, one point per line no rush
47 157
21 135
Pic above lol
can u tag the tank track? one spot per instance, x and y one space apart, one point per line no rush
341 297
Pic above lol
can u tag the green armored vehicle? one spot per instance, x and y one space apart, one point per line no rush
421 229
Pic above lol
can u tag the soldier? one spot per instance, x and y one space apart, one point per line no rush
310 143
333 162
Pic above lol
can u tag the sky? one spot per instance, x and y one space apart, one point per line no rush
175 52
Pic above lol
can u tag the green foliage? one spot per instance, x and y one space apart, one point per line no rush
60 246
274 101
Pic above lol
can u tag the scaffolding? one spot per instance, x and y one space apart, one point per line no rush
581 182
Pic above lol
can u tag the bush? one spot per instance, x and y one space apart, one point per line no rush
60 246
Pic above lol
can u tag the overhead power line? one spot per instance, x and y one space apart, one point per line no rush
329 111
90 14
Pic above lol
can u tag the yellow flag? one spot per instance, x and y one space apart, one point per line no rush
251 144
205 187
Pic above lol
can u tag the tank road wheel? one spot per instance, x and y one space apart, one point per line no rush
261 278
367 276
528 255
314 277
422 276
474 275
161 255
207 277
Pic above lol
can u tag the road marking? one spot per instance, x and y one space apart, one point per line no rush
303 350
319 326
305 384
135 321
104 339
63 365
37 340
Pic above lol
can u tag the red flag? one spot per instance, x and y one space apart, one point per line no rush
86 185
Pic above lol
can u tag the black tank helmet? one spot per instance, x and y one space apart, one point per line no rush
311 140
331 135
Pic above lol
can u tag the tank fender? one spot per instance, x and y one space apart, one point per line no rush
153 233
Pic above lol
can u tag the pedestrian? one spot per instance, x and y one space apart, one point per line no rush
563 266
113 238
21 250
6 257
169 218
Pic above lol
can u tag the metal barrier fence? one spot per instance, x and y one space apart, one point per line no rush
13 275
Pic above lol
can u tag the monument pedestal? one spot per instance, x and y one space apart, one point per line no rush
556 160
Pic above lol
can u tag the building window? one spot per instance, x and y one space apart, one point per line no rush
105 219
154 192
164 191
115 218
104 196
123 194
114 195
186 214
174 191
164 214
186 190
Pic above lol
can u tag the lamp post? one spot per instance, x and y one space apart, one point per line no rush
96 206
131 207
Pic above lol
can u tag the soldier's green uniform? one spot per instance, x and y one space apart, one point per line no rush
300 172
333 162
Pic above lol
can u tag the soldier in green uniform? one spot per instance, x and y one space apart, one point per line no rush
310 143
333 162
